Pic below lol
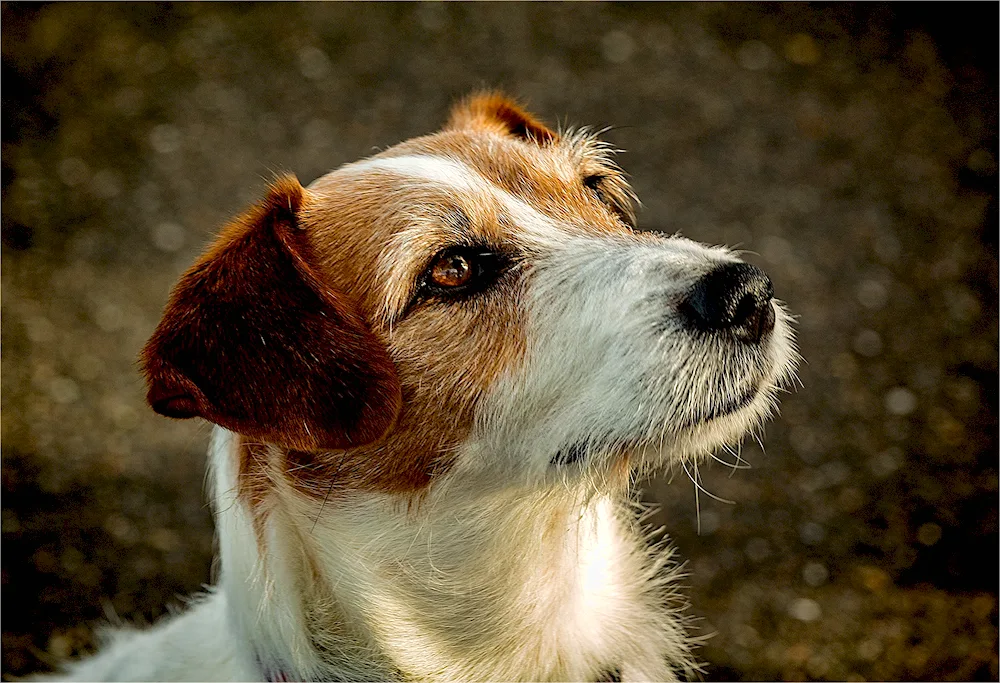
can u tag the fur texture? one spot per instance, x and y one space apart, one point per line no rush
427 479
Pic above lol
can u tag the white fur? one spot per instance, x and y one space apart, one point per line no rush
458 177
449 173
509 567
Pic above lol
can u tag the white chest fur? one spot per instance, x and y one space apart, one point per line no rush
515 584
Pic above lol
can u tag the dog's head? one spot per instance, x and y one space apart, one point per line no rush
474 300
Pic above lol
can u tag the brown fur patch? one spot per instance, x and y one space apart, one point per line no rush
448 354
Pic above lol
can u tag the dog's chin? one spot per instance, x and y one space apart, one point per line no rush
678 434
703 416
704 431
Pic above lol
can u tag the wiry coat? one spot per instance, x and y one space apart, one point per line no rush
436 374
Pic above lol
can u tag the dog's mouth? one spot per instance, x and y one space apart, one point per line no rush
577 452
570 455
718 410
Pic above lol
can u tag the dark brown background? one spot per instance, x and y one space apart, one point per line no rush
851 150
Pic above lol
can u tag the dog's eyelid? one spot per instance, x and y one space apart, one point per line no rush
466 249
490 263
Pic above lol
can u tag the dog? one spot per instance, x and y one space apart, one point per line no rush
435 375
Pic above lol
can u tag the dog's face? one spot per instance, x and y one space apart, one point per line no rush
476 301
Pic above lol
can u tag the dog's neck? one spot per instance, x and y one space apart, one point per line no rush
514 583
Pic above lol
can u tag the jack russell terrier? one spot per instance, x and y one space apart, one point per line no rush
435 375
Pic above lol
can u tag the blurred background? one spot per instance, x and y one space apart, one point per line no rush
850 149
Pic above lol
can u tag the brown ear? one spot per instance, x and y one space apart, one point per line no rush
253 341
499 113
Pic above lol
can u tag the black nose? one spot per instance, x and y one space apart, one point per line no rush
734 297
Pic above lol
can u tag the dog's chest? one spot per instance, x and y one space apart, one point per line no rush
536 587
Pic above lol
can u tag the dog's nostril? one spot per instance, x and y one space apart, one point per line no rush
746 308
735 297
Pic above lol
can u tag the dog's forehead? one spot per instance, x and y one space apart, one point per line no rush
516 165
526 184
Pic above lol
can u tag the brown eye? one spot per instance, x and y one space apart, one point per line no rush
451 270
459 272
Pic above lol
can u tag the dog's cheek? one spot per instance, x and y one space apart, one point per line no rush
448 358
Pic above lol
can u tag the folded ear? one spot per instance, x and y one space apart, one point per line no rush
499 113
252 340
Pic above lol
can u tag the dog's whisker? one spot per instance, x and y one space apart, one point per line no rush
697 501
731 465
695 480
739 458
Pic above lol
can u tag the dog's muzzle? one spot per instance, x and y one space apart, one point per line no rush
734 299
